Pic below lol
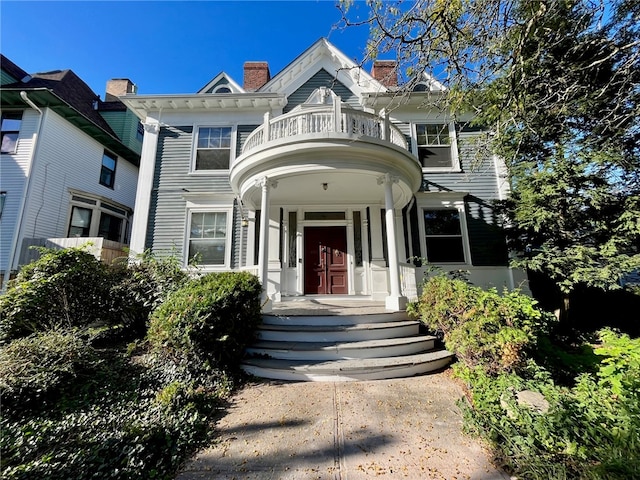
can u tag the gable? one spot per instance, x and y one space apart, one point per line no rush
322 56
321 79
221 80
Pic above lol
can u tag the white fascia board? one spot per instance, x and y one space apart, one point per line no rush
322 54
236 88
142 105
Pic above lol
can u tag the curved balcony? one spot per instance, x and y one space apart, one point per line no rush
324 120
326 144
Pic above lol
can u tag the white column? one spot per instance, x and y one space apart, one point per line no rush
395 301
263 248
143 192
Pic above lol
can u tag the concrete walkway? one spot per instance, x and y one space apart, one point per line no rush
406 428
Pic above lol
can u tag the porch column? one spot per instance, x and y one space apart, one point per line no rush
395 301
263 249
145 185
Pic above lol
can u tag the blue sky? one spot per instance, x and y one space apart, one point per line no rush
166 46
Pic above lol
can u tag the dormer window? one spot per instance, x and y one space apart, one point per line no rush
222 89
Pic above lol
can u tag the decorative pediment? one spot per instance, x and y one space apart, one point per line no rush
221 83
322 55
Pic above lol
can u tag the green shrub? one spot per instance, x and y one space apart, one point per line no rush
589 432
62 289
481 327
141 287
36 369
212 318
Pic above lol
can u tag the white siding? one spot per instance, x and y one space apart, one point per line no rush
67 158
13 171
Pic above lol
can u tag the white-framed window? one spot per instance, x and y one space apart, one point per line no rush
209 237
93 216
108 170
436 146
213 148
443 230
10 123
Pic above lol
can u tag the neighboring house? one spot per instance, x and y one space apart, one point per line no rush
323 180
69 164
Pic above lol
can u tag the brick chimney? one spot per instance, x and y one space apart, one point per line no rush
117 87
386 72
256 74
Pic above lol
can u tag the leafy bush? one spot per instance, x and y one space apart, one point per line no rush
589 431
481 327
36 369
62 289
212 318
141 287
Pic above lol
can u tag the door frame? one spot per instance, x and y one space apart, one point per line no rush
322 234
365 270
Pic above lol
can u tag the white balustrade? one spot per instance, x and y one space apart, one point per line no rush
321 120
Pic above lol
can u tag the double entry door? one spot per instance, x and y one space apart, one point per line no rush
325 260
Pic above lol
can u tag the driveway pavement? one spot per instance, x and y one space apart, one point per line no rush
406 428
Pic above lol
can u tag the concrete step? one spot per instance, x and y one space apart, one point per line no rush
333 319
348 370
388 347
338 333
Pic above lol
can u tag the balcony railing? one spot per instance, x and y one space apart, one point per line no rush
325 119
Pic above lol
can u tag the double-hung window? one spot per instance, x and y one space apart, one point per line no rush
208 235
108 170
213 148
436 145
443 235
10 127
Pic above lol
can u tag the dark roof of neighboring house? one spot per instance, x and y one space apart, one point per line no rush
71 97
70 88
11 68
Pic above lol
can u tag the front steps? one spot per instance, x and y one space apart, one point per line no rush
322 347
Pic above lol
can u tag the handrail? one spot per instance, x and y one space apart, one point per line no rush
322 119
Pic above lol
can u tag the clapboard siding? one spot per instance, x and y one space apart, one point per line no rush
125 126
13 171
478 178
321 79
166 230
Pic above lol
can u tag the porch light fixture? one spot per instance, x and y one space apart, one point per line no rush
325 186
245 222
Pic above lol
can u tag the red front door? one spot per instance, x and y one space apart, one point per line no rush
325 260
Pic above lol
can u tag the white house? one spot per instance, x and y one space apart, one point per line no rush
68 164
323 179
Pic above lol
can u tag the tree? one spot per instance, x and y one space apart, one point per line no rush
558 84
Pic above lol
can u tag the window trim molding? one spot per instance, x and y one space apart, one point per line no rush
446 201
195 206
453 145
17 144
97 207
107 153
194 148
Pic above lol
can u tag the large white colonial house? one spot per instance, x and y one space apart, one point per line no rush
323 180
68 164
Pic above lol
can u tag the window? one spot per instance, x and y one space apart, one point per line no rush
434 145
95 217
140 131
208 238
213 148
443 235
3 199
11 122
110 227
80 224
108 170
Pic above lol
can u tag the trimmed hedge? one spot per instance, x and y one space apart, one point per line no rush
212 318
